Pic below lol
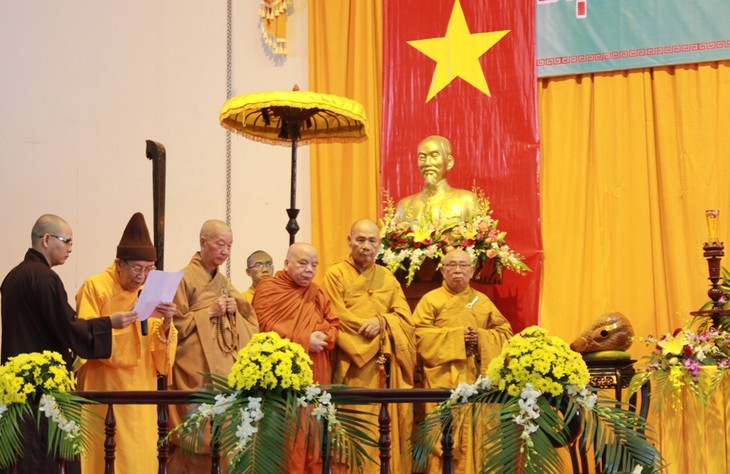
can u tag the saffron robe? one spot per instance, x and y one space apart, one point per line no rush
198 349
134 364
356 297
440 318
249 294
295 312
36 316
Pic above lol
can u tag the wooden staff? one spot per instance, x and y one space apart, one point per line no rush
156 153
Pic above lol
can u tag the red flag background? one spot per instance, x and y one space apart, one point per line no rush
494 138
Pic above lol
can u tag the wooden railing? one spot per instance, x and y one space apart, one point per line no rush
163 398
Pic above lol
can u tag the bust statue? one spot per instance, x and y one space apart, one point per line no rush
438 205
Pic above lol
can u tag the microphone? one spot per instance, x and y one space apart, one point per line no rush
143 324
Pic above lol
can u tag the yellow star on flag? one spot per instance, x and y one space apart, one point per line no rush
457 53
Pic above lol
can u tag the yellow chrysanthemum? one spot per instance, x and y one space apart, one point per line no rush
535 357
26 374
270 362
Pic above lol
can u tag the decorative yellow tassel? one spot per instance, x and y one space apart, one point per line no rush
273 24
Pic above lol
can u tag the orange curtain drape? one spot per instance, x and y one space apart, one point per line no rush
345 58
630 161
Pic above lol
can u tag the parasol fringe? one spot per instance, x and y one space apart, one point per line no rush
303 141
229 110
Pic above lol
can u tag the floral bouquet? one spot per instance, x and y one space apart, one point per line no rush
42 380
677 360
265 402
533 399
406 247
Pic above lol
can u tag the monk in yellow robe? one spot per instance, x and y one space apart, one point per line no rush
297 309
259 266
136 360
458 332
214 322
375 324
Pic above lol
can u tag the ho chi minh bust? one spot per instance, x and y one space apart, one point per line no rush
438 205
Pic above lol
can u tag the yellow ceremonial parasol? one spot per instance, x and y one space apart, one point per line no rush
295 117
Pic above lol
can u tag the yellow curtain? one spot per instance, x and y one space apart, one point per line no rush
630 161
345 58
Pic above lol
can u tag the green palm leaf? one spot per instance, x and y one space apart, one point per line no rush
62 445
10 446
283 421
620 438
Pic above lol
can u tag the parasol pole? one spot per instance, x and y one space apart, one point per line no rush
292 227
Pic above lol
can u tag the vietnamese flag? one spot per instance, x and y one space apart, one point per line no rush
465 69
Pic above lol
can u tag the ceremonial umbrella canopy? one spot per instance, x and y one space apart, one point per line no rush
295 117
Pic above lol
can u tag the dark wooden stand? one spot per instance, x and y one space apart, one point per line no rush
610 374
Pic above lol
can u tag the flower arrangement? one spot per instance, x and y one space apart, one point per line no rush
267 399
40 379
406 247
676 363
535 397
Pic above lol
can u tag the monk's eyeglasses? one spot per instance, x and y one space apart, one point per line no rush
139 269
454 265
259 265
65 240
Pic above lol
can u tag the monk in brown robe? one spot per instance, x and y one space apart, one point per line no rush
294 307
213 321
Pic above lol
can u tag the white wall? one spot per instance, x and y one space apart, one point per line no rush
83 84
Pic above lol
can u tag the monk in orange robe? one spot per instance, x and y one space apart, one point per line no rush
294 307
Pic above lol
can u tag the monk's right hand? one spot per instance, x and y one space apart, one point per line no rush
122 319
470 336
317 342
222 305
370 328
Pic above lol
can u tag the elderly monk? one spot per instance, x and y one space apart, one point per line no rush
438 205
259 265
136 359
36 317
376 333
458 331
291 305
213 321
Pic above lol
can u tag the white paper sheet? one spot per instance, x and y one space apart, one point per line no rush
160 286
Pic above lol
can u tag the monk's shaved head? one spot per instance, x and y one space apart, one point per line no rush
364 242
212 228
457 255
256 256
216 240
364 225
457 268
300 248
301 263
52 237
48 224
